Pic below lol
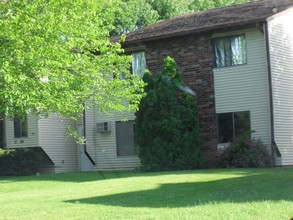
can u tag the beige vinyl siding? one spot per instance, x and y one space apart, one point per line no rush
106 151
90 132
32 139
245 87
61 148
79 122
281 57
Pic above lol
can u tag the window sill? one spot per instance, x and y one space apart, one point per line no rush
19 138
231 66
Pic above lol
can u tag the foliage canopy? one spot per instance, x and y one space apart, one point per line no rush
55 55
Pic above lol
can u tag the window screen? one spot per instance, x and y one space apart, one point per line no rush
125 138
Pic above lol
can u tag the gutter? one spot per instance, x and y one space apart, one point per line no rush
274 147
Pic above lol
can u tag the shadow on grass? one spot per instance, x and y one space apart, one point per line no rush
258 187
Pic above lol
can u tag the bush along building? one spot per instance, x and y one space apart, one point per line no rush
236 59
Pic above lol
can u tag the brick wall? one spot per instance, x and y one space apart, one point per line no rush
194 57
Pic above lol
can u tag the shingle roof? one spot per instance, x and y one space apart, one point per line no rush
210 20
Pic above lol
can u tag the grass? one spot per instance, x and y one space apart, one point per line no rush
200 194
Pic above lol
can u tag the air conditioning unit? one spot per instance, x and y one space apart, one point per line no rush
103 127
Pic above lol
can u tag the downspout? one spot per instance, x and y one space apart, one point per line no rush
84 135
274 147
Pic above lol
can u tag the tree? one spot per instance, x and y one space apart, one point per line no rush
56 55
169 8
134 14
200 5
166 125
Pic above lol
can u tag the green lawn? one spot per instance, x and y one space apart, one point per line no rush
200 194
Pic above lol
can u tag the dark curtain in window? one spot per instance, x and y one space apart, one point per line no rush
17 128
20 128
225 128
242 123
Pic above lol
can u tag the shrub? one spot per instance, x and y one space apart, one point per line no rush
166 125
22 161
246 152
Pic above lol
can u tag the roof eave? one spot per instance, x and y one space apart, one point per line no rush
211 29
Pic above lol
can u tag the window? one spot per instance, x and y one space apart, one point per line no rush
125 138
138 63
231 125
103 127
20 128
230 51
